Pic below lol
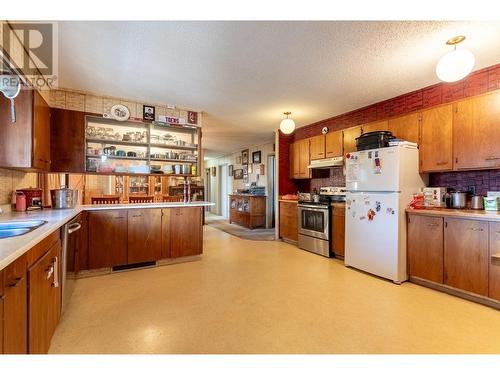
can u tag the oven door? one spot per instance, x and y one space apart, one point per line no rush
314 221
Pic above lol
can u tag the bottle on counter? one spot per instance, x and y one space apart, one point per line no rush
20 201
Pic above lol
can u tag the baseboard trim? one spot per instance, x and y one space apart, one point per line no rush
457 292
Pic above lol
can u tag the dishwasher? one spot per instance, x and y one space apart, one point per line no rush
70 240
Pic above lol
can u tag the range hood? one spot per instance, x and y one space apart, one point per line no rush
337 161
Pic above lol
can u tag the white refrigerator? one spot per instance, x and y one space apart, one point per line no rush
380 184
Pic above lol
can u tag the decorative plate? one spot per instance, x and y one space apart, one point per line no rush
120 112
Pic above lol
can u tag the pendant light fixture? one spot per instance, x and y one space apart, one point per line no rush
456 64
287 125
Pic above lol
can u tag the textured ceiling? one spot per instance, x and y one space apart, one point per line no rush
245 74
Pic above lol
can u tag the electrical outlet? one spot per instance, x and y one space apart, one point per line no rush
471 188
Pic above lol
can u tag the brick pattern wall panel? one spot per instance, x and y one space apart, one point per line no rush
452 92
75 101
494 78
477 85
483 181
94 104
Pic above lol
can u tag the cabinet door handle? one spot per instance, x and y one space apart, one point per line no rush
50 272
55 280
16 282
432 225
441 163
476 229
136 215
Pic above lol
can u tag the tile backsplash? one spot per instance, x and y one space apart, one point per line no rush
11 180
483 181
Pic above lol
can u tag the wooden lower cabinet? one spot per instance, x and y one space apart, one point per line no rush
494 261
182 232
1 311
107 238
425 247
15 308
44 299
466 255
289 221
338 231
144 235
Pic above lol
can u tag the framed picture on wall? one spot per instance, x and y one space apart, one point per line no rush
256 157
148 113
244 156
230 170
238 174
245 168
214 171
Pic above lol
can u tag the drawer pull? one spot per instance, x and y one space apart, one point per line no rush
136 215
476 229
50 271
433 225
16 282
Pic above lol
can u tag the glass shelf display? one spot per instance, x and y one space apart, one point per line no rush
134 147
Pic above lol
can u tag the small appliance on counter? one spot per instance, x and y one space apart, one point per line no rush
458 199
33 198
434 196
492 201
64 198
476 202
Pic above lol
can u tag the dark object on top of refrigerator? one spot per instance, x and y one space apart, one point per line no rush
371 140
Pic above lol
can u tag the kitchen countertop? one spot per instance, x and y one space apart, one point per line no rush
459 213
288 200
13 247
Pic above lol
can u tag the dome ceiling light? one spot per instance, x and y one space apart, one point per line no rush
287 125
456 64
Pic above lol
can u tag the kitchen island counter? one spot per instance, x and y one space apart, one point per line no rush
14 247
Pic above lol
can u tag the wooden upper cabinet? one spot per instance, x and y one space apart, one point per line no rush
317 147
41 133
15 304
67 140
425 247
25 143
299 159
333 144
406 127
304 159
436 139
349 138
107 238
375 126
294 160
144 235
494 261
476 132
466 255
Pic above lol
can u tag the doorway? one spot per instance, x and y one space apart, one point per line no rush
223 191
271 183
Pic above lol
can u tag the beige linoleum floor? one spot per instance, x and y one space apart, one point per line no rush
267 297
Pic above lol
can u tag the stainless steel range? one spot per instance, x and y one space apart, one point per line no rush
314 220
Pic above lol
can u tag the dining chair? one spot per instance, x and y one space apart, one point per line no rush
141 199
173 198
106 199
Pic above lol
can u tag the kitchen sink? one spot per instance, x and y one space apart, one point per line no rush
18 228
